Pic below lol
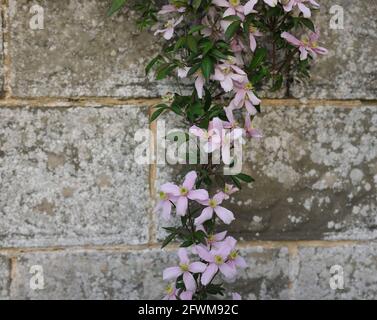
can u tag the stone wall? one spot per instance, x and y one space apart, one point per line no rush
73 201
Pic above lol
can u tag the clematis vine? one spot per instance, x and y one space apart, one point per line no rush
227 51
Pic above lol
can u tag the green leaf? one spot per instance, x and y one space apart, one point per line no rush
164 71
151 64
116 5
236 182
168 239
187 244
308 23
259 57
196 29
232 29
192 44
196 4
207 67
157 113
278 82
244 177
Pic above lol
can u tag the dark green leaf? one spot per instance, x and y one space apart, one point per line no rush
244 177
168 239
156 114
116 5
259 57
207 67
308 23
192 43
232 29
151 64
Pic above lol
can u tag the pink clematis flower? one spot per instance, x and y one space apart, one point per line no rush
306 45
186 192
212 239
169 8
186 295
229 189
254 32
217 259
166 201
186 269
234 259
212 136
168 32
171 292
213 206
250 131
227 73
301 6
245 97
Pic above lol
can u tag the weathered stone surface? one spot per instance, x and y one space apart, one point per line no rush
93 275
266 277
118 275
80 51
68 176
316 175
315 172
4 277
1 54
359 264
349 71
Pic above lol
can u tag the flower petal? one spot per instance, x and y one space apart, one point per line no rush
190 180
206 215
200 195
197 267
225 215
208 275
227 271
182 205
171 273
183 256
170 188
189 281
204 253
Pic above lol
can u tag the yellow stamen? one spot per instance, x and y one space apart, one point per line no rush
219 260
212 203
169 289
184 267
233 255
183 191
234 3
249 86
163 196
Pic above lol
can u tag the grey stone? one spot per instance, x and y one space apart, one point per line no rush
4 277
357 265
93 275
315 172
1 53
68 176
80 51
349 71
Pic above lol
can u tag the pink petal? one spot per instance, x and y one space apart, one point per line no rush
229 12
249 7
250 108
204 253
198 132
253 98
304 53
227 84
227 271
305 10
253 43
170 188
220 236
200 195
182 205
240 262
183 257
225 215
236 296
168 34
166 210
291 39
172 273
221 3
189 281
219 198
199 85
206 215
208 275
197 267
190 180
187 295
